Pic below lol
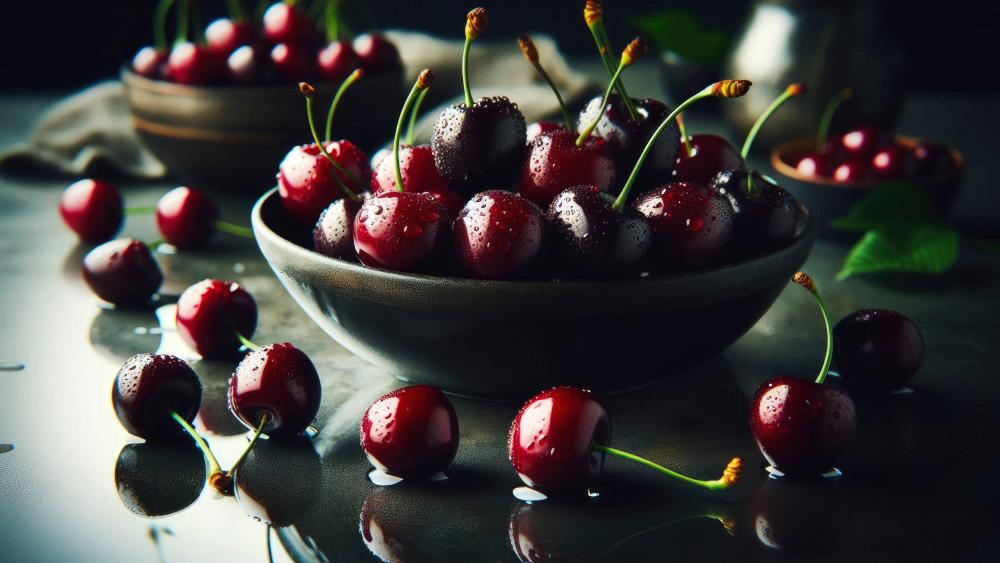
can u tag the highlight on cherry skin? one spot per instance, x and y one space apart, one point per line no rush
560 437
214 316
122 272
93 209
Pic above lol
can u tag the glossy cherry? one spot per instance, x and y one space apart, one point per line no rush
818 165
247 65
690 224
399 230
375 53
893 162
933 160
224 35
293 62
555 162
285 22
150 62
535 129
336 61
149 389
186 217
122 272
194 64
92 209
877 350
765 213
498 234
277 382
416 164
803 427
211 313
863 141
333 234
588 234
411 432
159 478
708 155
855 170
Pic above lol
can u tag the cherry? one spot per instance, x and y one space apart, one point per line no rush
150 62
279 480
690 223
703 156
247 65
122 272
276 389
933 160
161 478
535 129
211 313
92 209
589 234
827 156
411 432
333 234
194 64
186 217
293 62
854 171
416 164
285 22
478 144
559 437
893 162
765 213
877 349
336 61
224 35
151 390
376 53
555 162
803 427
862 142
818 165
498 233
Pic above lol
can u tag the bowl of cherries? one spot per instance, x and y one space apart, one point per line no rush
832 173
491 265
219 107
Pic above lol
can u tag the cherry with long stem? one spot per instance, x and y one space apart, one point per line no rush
730 475
217 478
531 54
633 52
310 93
807 282
791 91
475 23
411 127
351 79
827 118
422 84
593 15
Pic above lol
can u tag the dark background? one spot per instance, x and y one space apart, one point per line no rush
949 46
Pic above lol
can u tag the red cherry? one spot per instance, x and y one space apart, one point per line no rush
819 165
333 234
933 160
690 223
122 272
537 128
411 432
277 381
416 164
247 66
892 163
399 230
589 234
149 62
193 64
710 154
293 62
863 141
223 36
149 389
498 233
555 162
211 312
287 23
92 209
376 53
306 181
186 217
854 171
336 61
877 349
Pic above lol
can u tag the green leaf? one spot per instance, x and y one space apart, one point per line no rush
680 32
892 205
920 250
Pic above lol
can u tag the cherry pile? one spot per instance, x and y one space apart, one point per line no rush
286 46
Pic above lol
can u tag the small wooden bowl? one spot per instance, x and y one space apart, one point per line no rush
227 137
828 200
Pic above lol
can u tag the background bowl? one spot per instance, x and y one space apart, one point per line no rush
510 339
229 137
828 199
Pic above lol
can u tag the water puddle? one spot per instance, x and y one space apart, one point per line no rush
527 494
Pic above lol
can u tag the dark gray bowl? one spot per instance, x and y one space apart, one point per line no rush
510 339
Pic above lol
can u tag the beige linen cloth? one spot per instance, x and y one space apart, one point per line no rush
92 129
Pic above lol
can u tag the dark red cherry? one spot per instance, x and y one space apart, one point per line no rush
893 162
279 481
122 272
92 209
820 164
690 223
186 217
854 171
223 36
306 181
280 382
399 230
498 234
411 432
537 128
482 145
627 138
877 349
376 53
555 162
149 62
766 214
864 141
336 61
194 64
933 160
710 154
801 427
588 234
285 22
156 479
333 234
149 388
211 312
293 62
247 65
551 440
416 164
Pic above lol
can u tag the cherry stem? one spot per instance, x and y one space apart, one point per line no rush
233 229
729 477
140 210
160 24
256 435
418 86
182 21
531 54
322 148
604 103
791 91
213 464
152 246
411 127
332 19
600 34
236 10
465 70
246 342
827 118
808 283
351 79
684 136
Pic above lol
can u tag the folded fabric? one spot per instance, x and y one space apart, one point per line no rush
92 129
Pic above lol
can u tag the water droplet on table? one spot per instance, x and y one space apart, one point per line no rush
527 494
239 268
383 479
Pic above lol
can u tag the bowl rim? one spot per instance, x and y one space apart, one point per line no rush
783 167
260 227
164 87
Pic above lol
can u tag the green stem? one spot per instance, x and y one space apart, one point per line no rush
331 17
152 246
410 98
684 136
233 229
604 103
256 435
183 8
829 336
411 127
626 99
351 79
562 103
236 10
465 71
160 24
827 118
140 210
249 344
715 485
213 464
322 148
788 93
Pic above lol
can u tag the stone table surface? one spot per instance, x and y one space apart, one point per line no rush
918 485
